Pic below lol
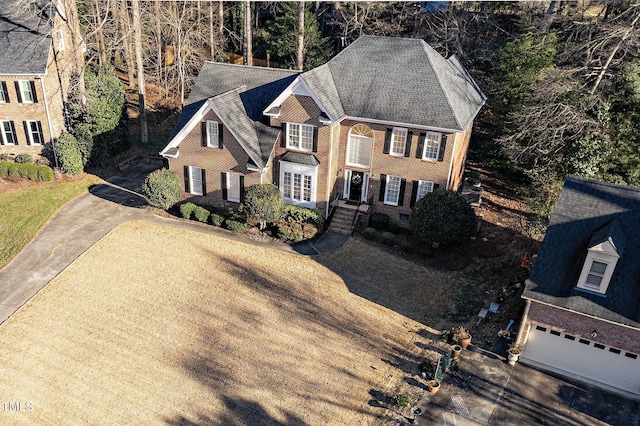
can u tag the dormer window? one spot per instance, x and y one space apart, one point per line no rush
605 248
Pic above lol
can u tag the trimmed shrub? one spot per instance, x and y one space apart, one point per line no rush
296 231
201 214
303 214
186 210
369 233
14 170
216 219
69 156
443 217
263 203
162 188
234 225
27 171
379 221
387 238
24 159
4 168
45 174
393 227
406 246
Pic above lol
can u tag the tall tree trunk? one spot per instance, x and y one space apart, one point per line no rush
140 66
159 64
221 24
300 55
125 24
102 52
212 52
248 54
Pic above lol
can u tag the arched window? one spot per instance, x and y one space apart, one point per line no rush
359 146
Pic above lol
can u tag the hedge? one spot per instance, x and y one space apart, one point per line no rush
27 171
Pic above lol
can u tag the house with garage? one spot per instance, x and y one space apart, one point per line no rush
582 315
38 56
384 122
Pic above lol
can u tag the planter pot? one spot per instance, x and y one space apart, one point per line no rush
513 355
464 340
433 386
455 351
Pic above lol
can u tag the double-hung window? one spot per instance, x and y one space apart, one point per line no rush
195 180
26 91
213 140
392 190
300 136
595 275
398 141
297 183
424 187
431 146
233 187
359 151
33 130
4 94
8 133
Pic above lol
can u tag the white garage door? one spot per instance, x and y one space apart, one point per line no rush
589 360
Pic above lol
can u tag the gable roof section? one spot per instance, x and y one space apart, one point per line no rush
397 80
25 37
237 94
589 212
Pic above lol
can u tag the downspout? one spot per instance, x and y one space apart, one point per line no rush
455 141
525 315
46 108
330 172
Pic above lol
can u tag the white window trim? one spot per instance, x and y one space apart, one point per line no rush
386 190
40 135
4 135
394 131
23 98
210 144
604 253
192 190
299 169
349 149
233 181
424 148
422 183
60 39
299 126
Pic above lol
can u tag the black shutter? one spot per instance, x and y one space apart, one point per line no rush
443 147
436 186
187 188
414 193
220 133
18 93
33 91
5 92
420 148
383 186
283 136
204 182
242 189
223 185
407 146
403 185
387 142
203 139
315 139
13 132
39 124
26 132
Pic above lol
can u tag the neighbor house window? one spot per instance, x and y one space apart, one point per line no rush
195 180
424 187
300 136
233 187
33 130
213 134
431 146
297 183
4 94
398 141
26 91
392 190
60 39
8 133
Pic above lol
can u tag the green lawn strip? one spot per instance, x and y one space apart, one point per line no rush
24 211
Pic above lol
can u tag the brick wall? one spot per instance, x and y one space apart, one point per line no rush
578 325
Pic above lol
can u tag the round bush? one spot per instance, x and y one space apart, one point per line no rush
387 238
369 233
263 203
45 174
379 221
4 168
186 210
406 246
162 188
69 156
216 219
201 214
234 225
24 159
443 217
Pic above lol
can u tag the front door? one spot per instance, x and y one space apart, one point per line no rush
355 187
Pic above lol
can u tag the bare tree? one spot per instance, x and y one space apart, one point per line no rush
300 50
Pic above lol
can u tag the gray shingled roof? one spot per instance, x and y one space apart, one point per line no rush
25 36
397 79
585 212
239 94
300 158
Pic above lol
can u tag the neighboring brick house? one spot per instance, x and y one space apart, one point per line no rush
582 316
382 123
37 59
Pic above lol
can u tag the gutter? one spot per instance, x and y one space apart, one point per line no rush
46 108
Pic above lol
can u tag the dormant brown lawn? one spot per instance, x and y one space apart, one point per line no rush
155 325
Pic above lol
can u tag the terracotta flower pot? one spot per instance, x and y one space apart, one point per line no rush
455 351
433 386
464 340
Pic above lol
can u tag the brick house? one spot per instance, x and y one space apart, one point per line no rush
582 315
381 124
37 58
